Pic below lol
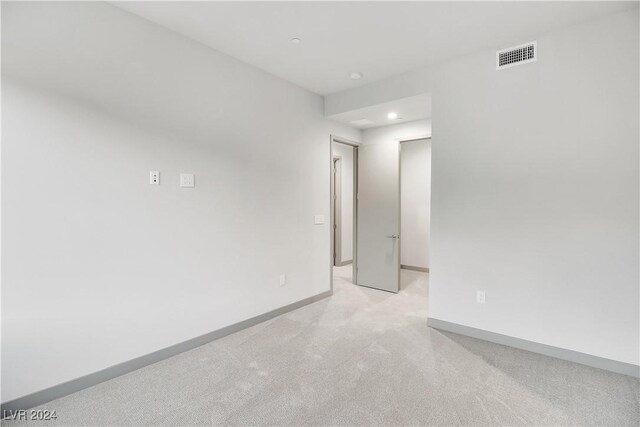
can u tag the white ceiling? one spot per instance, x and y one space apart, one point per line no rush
408 109
378 39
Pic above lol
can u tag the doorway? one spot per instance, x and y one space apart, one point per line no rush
385 194
344 161
337 212
393 208
415 203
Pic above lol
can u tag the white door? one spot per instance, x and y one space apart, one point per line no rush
378 260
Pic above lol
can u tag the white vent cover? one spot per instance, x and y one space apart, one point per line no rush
517 55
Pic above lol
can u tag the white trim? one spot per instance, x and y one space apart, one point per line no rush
345 141
536 347
412 138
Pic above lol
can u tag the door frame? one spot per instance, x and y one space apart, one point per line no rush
354 145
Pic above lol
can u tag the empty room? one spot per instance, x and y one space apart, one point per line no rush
314 213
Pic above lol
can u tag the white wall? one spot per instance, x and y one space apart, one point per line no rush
100 267
535 188
415 202
346 154
535 192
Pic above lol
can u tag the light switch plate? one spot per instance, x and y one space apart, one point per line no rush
187 180
318 219
154 177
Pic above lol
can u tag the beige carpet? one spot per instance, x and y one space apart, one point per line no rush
362 357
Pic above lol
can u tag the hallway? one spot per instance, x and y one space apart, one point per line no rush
360 357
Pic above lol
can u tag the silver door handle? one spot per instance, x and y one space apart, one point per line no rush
394 236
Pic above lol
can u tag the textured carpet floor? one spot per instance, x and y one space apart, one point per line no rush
361 357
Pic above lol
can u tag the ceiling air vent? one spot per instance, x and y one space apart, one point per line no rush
516 55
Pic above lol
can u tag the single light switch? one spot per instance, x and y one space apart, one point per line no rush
318 219
154 177
187 180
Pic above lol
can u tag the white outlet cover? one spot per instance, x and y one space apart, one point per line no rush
318 219
480 297
283 279
154 177
187 180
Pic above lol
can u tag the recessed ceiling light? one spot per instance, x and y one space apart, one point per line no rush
295 40
356 75
392 116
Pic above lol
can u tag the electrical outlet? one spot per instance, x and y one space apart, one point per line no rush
480 297
318 219
187 180
154 177
283 279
